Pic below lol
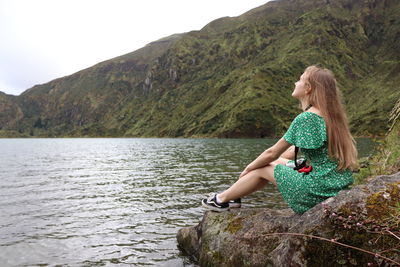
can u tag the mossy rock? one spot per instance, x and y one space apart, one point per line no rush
366 217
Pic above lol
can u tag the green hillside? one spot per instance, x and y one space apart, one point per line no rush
233 78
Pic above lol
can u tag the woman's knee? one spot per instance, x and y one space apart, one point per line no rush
267 173
282 161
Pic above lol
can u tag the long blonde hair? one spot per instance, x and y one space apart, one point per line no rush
326 96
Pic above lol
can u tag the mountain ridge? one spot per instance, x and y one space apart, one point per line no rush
232 78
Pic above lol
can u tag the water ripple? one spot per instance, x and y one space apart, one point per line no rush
112 201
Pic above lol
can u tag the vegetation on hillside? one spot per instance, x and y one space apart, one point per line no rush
387 158
233 78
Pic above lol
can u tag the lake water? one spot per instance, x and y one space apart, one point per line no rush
114 202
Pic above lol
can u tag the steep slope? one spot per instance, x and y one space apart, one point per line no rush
80 103
10 114
233 78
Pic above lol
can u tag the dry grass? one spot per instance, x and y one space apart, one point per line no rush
394 115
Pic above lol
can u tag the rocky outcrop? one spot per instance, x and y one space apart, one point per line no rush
366 217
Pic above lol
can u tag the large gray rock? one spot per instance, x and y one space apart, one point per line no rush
366 217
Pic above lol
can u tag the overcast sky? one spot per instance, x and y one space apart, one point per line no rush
41 40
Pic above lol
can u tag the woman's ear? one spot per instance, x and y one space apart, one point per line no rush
308 89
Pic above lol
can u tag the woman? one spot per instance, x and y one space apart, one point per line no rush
322 134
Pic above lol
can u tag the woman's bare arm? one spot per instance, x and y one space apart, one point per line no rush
268 156
288 154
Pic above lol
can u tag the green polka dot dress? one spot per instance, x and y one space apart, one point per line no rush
301 191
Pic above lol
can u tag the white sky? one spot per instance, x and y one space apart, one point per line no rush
41 40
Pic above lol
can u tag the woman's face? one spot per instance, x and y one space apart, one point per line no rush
301 88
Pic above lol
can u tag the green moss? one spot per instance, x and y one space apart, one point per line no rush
364 227
383 206
342 256
234 225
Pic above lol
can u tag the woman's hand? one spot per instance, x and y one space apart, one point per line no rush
246 171
267 156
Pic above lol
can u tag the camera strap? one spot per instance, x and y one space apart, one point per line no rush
302 167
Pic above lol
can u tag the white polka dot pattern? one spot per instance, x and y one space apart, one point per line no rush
301 191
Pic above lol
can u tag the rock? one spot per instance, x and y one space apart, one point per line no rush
147 85
173 75
366 216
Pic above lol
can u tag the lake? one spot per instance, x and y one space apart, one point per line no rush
115 201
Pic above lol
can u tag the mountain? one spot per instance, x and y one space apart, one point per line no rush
233 78
10 114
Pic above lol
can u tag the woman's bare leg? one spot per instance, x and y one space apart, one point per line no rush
256 179
246 185
251 182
